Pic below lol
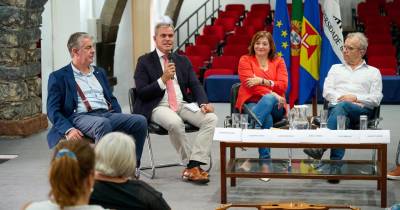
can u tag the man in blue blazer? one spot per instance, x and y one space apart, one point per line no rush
80 102
166 88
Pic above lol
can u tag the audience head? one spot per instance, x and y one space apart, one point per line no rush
355 47
263 39
164 35
115 155
71 172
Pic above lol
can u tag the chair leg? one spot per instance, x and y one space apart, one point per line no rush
397 155
153 165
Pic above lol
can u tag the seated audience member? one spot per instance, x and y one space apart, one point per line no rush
169 93
115 166
80 102
71 178
352 89
264 79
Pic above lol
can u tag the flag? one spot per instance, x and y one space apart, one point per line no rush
281 33
309 51
332 39
295 39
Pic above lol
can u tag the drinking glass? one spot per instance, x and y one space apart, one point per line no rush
323 118
244 121
363 122
341 122
235 120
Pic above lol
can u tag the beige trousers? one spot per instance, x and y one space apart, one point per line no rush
200 147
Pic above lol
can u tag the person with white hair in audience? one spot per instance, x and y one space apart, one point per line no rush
114 187
71 178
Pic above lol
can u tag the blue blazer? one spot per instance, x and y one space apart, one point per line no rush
62 100
149 94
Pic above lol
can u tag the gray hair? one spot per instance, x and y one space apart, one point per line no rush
361 37
115 155
75 39
164 21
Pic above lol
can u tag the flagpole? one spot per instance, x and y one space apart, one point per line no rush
314 103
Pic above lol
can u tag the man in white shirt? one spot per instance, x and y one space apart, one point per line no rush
352 89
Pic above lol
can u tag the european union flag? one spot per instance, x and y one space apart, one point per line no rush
281 34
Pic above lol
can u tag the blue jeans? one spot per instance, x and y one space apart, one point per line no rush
97 123
352 113
267 111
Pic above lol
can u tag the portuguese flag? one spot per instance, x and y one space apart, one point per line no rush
295 39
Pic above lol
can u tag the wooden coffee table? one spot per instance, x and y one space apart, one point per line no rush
303 168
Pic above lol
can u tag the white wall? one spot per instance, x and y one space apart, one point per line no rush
123 58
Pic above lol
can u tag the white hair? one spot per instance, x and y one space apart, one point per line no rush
115 155
163 21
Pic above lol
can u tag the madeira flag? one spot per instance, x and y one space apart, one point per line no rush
281 33
309 51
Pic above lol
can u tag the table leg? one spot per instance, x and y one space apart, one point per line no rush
232 151
222 148
380 164
384 176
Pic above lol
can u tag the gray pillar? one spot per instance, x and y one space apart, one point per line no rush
20 69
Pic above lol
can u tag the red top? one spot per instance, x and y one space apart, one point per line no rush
276 72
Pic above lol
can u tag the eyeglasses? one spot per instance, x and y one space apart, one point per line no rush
348 48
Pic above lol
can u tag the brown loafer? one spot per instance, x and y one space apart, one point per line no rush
394 174
204 173
194 175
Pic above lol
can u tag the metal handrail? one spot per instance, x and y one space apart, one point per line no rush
186 22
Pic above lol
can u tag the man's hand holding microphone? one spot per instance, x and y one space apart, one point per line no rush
169 70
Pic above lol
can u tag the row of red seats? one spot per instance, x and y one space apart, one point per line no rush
370 10
378 19
228 37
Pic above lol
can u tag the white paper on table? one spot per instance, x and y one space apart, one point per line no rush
228 134
269 136
318 136
375 136
285 136
345 136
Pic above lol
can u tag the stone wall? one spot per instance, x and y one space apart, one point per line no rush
20 68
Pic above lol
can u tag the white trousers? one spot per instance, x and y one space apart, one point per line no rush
200 147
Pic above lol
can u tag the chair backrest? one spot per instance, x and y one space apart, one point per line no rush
132 97
233 97
227 23
214 30
236 50
238 7
226 62
210 40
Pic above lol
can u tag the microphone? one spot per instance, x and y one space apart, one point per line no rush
171 61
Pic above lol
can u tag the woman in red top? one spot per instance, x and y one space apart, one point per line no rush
264 80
